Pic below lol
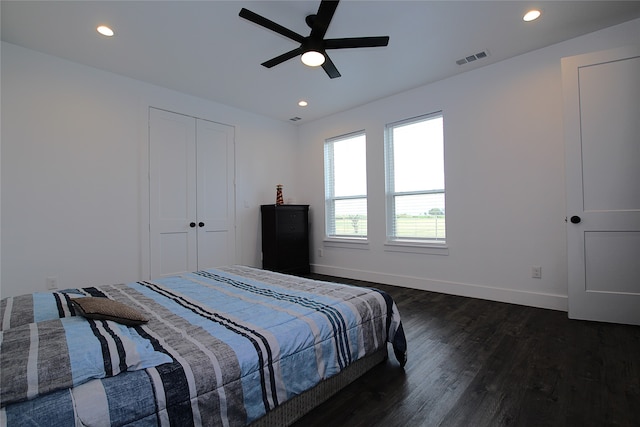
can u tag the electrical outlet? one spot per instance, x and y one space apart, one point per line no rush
536 272
320 252
52 282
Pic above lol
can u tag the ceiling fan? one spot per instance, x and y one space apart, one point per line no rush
312 48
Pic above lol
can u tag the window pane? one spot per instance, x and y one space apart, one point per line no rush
351 217
414 160
345 170
420 216
350 168
418 156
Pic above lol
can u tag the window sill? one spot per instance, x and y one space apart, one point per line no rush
417 247
354 243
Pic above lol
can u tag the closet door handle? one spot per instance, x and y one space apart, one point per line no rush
192 224
201 224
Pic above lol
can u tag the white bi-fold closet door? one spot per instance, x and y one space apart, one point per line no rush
191 193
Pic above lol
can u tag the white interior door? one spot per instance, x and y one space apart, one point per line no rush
602 139
216 195
172 193
191 194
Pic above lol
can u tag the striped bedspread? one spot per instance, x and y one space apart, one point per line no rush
223 347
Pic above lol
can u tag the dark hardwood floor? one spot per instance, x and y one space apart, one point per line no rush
482 363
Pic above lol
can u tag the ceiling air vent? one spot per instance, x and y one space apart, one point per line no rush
295 119
472 58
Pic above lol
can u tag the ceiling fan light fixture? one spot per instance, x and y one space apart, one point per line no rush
312 48
312 58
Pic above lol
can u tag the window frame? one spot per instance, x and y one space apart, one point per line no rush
332 238
408 244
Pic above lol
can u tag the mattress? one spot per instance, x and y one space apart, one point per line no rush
221 347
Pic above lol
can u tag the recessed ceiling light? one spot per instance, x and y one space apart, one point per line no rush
105 31
532 15
303 103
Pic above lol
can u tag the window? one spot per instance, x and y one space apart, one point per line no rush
414 158
345 173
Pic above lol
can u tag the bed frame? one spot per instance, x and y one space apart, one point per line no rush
173 363
297 407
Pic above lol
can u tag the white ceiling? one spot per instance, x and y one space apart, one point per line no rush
205 49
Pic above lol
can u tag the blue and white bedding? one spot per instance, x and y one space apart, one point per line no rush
222 347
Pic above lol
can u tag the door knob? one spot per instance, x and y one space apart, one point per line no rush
575 219
201 224
192 224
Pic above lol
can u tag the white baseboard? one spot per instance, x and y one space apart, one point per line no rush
532 299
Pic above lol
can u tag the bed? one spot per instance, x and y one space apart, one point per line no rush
230 346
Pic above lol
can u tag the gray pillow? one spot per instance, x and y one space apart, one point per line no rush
107 309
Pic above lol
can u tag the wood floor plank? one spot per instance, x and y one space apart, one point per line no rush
482 363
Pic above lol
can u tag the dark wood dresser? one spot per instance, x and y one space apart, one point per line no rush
285 238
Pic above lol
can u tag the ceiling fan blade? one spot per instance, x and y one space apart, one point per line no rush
330 67
354 42
264 22
284 57
323 19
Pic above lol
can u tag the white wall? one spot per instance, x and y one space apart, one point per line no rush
73 171
504 174
73 161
